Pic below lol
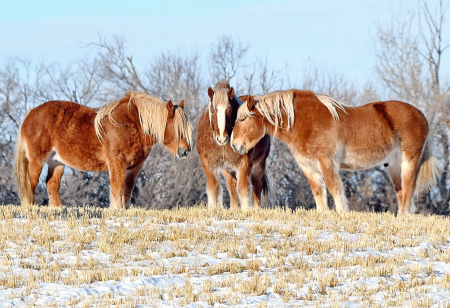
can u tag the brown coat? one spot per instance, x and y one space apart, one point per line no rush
390 133
63 133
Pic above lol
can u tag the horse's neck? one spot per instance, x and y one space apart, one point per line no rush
148 140
282 133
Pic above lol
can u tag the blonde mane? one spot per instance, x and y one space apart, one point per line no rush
152 117
271 106
332 104
183 127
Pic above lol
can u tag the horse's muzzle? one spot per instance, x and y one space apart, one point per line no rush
182 153
222 142
240 149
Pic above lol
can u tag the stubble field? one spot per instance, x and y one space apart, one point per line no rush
91 257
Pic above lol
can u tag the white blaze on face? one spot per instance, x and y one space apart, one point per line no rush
221 121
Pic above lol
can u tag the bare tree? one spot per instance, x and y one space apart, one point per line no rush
321 80
249 76
117 67
268 78
226 57
177 77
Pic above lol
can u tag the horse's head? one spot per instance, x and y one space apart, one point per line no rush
221 113
178 133
248 129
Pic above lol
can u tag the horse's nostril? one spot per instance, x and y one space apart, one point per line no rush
182 153
238 149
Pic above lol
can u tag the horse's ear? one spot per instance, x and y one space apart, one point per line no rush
210 93
181 104
170 108
250 102
231 92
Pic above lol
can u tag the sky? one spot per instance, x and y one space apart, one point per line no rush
336 35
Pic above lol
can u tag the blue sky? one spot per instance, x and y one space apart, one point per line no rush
332 34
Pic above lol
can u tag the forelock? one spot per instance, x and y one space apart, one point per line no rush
220 98
244 112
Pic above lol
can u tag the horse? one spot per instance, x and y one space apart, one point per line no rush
116 137
216 155
325 135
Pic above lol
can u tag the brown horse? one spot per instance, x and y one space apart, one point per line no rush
116 138
214 128
325 136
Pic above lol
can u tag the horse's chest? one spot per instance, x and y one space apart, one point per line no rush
224 158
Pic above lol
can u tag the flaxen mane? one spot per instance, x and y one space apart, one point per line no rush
152 116
183 127
332 104
271 106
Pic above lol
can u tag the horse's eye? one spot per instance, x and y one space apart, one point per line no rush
212 110
229 111
243 119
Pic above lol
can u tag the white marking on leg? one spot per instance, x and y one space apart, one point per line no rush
245 202
113 204
408 191
341 200
214 200
311 168
406 166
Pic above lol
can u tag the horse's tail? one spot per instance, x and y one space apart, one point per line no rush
22 174
265 188
429 168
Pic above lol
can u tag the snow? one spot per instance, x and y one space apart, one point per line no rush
416 267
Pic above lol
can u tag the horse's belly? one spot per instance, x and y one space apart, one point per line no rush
78 161
369 159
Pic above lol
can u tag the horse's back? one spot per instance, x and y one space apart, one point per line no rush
60 114
386 118
65 129
370 133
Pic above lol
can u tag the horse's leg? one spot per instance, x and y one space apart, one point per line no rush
395 171
129 184
35 165
318 186
330 172
257 179
315 178
117 176
54 175
243 177
231 185
410 168
213 189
